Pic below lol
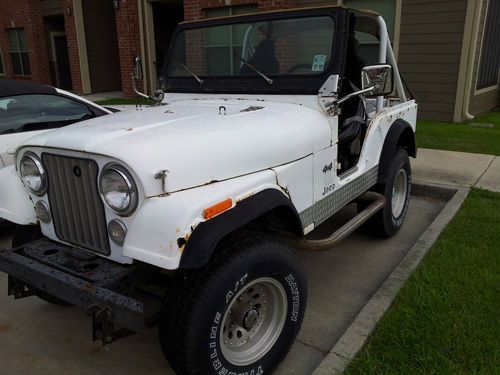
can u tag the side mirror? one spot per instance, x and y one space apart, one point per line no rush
137 72
379 78
137 76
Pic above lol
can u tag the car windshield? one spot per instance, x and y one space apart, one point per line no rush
22 113
295 46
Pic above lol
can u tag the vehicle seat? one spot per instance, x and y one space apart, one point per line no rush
264 59
352 126
353 115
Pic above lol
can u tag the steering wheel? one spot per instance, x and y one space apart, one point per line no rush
300 68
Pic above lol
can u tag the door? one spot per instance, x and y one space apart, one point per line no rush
61 60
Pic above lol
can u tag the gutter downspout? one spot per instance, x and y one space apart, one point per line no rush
470 61
147 72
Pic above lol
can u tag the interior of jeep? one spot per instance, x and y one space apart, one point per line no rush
353 117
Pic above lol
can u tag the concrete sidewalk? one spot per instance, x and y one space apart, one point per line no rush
456 169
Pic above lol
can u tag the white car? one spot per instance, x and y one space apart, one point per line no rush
188 214
28 109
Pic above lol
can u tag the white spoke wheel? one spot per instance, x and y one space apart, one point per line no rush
253 321
399 193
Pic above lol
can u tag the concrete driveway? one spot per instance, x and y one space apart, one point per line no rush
36 337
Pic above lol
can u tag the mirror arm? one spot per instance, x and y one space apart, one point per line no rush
134 87
353 94
158 95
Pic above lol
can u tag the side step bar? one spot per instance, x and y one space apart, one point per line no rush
378 202
85 280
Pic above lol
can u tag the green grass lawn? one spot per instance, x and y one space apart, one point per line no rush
121 101
461 137
446 319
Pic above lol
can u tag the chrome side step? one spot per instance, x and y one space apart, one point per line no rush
346 229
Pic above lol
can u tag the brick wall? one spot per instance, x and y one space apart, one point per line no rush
74 62
129 44
194 9
25 14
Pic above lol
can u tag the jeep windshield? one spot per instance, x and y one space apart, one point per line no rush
230 49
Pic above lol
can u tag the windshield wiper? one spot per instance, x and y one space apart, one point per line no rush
200 81
268 80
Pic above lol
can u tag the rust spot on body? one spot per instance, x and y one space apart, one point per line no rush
252 108
182 241
247 195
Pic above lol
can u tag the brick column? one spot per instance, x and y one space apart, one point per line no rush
73 52
129 42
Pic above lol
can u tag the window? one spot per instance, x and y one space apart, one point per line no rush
489 63
23 113
19 52
294 46
368 44
220 45
2 69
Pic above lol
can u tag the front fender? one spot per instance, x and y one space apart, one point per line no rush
15 202
160 231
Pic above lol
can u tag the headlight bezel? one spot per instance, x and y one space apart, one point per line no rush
41 170
131 187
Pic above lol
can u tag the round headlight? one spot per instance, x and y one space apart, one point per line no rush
33 174
118 189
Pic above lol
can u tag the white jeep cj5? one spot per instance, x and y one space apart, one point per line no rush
187 213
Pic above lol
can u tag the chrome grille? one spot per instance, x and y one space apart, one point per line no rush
77 208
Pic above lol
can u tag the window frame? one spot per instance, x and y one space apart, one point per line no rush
2 64
283 85
286 76
19 51
484 90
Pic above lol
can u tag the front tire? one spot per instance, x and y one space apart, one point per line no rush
240 314
387 222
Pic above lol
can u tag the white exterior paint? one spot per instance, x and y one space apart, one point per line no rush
246 152
195 143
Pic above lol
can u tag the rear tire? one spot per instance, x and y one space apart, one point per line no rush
239 314
27 233
396 190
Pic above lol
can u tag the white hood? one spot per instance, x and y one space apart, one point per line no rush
195 143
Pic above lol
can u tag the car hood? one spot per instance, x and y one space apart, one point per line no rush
197 141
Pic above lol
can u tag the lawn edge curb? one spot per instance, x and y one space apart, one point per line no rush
356 335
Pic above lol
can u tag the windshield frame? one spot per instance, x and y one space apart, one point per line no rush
251 84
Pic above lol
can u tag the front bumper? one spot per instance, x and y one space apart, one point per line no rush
105 290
